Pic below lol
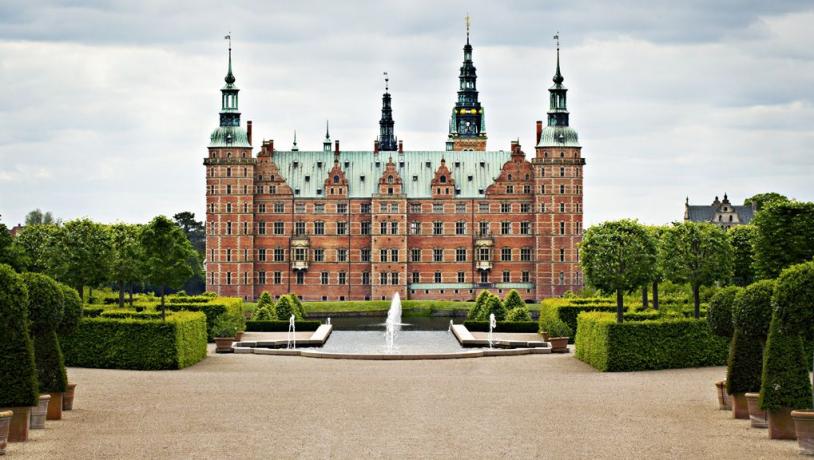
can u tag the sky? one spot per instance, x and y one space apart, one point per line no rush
106 106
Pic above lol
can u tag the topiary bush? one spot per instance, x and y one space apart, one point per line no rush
518 314
299 310
46 307
17 367
263 314
558 328
495 307
284 309
745 364
476 312
752 310
785 380
794 297
513 300
719 312
72 310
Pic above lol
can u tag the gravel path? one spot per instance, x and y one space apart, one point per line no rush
542 406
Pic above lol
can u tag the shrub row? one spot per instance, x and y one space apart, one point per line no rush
135 314
281 326
128 343
647 345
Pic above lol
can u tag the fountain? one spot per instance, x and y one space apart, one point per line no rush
292 333
450 326
492 325
393 323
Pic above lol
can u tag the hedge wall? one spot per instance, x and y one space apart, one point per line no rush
216 307
135 314
115 343
647 345
503 326
569 312
281 326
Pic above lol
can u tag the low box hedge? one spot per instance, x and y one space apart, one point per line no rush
136 314
218 306
127 343
503 326
281 326
647 345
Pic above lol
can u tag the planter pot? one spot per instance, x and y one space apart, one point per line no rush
19 423
559 344
756 415
724 402
39 412
804 427
545 336
224 344
239 336
5 422
67 397
55 407
740 409
781 425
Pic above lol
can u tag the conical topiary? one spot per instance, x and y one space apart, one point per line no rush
46 308
17 367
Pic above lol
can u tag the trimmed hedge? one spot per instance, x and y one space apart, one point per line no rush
785 382
647 345
51 373
72 310
115 343
92 312
719 312
745 364
19 374
216 307
568 313
281 326
503 326
135 314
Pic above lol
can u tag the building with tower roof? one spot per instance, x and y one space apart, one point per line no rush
721 213
358 225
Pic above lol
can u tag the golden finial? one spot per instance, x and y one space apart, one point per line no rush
468 23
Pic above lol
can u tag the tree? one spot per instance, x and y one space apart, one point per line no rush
762 200
698 254
719 315
741 238
127 256
513 300
495 307
476 312
657 233
19 388
36 217
10 253
72 311
284 309
38 245
195 232
46 310
84 254
618 256
783 237
167 253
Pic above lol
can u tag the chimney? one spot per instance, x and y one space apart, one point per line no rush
539 130
249 131
401 147
376 146
336 147
516 147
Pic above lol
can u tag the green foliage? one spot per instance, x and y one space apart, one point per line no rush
568 310
217 307
285 309
783 237
477 311
618 256
51 373
502 326
38 245
557 328
495 307
698 254
647 345
72 310
264 314
17 368
225 326
45 302
169 257
518 314
762 200
38 217
513 300
745 364
281 326
794 297
127 265
741 238
752 310
178 342
127 313
785 382
296 303
719 314
84 254
10 253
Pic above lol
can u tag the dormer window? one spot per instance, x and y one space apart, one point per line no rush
443 179
307 178
415 178
336 179
469 178
389 179
482 164
361 178
378 164
319 164
427 164
295 164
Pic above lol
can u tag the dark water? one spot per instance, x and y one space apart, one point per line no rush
376 323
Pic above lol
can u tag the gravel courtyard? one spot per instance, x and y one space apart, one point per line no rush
541 406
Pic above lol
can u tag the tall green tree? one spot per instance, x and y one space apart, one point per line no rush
619 257
10 253
85 254
762 200
698 254
657 276
741 237
784 237
127 256
38 246
167 255
36 217
195 232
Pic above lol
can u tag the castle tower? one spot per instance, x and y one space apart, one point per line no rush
387 139
467 126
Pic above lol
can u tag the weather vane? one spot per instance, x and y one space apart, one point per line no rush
229 37
468 23
557 38
386 82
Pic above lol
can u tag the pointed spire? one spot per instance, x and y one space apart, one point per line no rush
387 138
326 144
468 23
230 77
294 147
558 78
327 131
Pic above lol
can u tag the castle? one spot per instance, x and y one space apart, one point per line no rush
360 225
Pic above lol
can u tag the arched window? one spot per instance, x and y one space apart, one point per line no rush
336 179
389 179
730 218
510 177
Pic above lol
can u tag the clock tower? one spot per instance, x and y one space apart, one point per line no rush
467 126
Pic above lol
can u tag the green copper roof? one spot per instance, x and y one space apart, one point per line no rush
558 136
473 172
229 136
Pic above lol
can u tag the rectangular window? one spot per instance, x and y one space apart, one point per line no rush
365 255
461 277
394 255
415 255
524 277
562 255
261 255
382 207
484 277
341 228
460 255
299 254
415 208
525 254
261 277
300 277
299 228
506 228
319 228
261 228
394 207
245 228
507 277
261 208
542 189
505 207
228 189
437 208
382 228
365 208
323 278
562 189
483 228
383 255
341 255
342 279
319 255
279 207
562 228
437 277
228 228
506 254
579 228
509 189
416 277
437 255
525 207
527 189
483 254
383 278
279 255
319 208
460 228
525 228
460 208
415 228
483 207
437 228
278 277
228 277
394 228
365 278
365 230
394 278
279 229
342 208
228 255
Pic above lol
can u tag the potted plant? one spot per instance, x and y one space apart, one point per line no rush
5 421
757 416
224 331
40 412
724 403
18 391
719 318
558 332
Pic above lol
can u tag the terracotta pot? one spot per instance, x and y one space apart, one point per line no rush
545 336
5 421
724 402
781 425
559 344
756 415
224 344
19 424
239 336
39 412
55 407
740 409
804 427
67 397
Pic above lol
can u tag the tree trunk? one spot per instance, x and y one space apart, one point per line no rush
697 300
620 306
81 292
131 295
121 294
163 308
90 293
645 303
656 295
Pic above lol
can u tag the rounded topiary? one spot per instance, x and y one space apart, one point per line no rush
752 310
719 313
45 302
263 314
495 306
518 314
513 300
296 304
284 309
785 382
476 312
794 297
72 311
17 368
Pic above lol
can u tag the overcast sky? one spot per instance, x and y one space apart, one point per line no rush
106 106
